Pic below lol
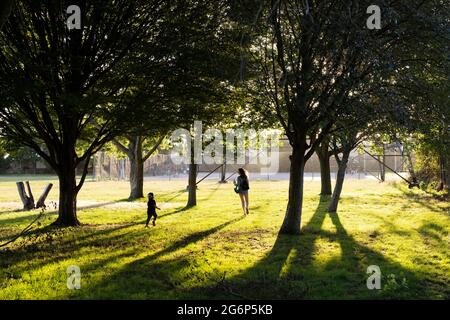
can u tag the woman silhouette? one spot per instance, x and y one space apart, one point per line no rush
242 187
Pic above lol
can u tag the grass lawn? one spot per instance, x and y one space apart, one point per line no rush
213 251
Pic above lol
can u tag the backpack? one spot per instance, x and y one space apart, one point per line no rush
245 185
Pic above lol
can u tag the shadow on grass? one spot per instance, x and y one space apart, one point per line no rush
10 222
51 244
50 228
173 195
435 236
291 270
168 214
148 273
212 193
130 200
33 213
422 200
165 215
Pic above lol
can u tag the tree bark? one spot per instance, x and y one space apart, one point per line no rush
41 201
382 167
333 205
447 174
30 193
67 162
136 178
292 219
325 172
134 151
223 172
67 213
136 169
410 168
27 201
192 187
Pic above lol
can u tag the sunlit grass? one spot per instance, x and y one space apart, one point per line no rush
212 251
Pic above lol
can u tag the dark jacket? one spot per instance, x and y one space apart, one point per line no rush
242 183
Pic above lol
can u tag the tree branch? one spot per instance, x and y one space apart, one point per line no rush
153 149
120 146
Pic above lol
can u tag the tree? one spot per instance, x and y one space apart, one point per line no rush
204 69
394 109
347 142
353 128
312 54
62 96
137 153
420 111
323 154
431 139
12 152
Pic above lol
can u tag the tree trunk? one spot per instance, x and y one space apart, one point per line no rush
382 167
192 198
223 173
30 193
136 169
67 215
443 172
292 219
410 168
27 201
447 175
332 207
325 172
134 151
41 201
136 177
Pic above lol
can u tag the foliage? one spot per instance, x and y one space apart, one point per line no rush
310 56
63 92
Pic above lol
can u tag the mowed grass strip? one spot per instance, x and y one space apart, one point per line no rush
212 251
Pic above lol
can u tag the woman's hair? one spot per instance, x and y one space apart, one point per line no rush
243 172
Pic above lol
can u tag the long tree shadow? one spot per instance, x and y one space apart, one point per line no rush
38 246
290 270
174 195
12 222
192 238
436 236
17 210
212 193
34 213
145 274
424 201
179 210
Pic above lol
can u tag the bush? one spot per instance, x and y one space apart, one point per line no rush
427 167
